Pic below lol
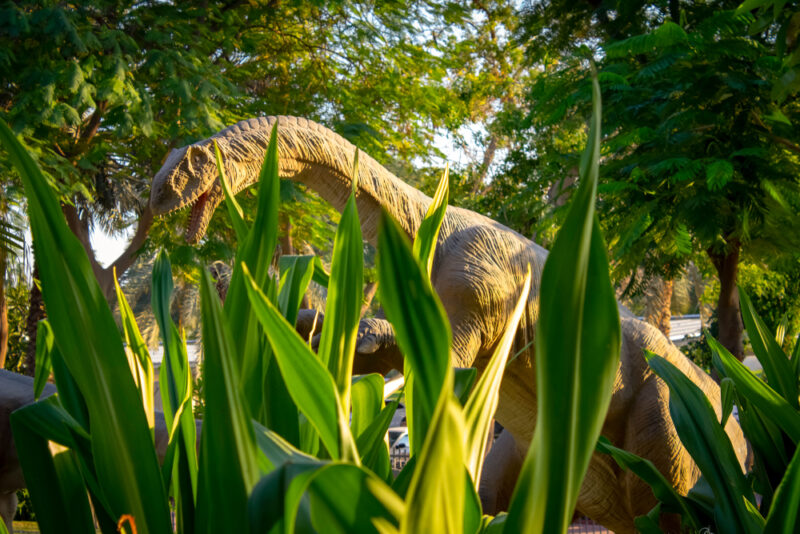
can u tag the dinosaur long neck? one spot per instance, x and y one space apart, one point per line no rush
322 160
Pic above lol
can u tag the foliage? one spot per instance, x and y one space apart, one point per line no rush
775 292
101 92
247 476
769 414
699 159
17 296
24 507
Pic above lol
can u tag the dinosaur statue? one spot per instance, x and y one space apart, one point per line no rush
478 269
16 391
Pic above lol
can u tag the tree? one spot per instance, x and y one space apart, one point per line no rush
699 158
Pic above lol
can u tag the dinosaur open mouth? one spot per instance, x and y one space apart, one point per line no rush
198 219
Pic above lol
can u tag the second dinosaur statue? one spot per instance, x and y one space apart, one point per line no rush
478 270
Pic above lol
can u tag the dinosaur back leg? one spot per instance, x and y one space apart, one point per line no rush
500 471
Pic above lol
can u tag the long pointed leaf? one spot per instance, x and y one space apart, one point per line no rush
175 380
371 444
308 381
346 498
771 404
87 337
256 251
421 327
436 495
783 514
54 480
709 445
367 392
428 233
343 309
480 408
228 459
296 273
234 209
44 360
138 356
574 373
647 471
774 361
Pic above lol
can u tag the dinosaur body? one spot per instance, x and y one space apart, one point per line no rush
477 272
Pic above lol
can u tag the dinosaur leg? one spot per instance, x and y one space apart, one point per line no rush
8 507
500 471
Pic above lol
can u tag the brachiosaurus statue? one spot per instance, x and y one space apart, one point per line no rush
478 269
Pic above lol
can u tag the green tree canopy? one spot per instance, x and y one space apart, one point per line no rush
699 157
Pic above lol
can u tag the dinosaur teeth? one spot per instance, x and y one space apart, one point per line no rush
197 217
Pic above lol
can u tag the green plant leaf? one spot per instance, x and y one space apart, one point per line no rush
234 209
256 251
436 495
54 481
645 470
296 273
343 308
320 276
574 371
277 450
648 524
367 392
463 380
783 514
44 361
229 466
274 502
428 233
482 403
68 393
138 356
308 381
709 446
756 391
421 327
346 498
728 392
175 380
124 455
372 445
776 365
769 447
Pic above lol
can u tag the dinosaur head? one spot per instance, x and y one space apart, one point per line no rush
188 178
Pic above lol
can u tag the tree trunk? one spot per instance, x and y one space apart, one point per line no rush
105 275
728 313
369 294
666 306
285 238
35 314
483 170
3 311
658 306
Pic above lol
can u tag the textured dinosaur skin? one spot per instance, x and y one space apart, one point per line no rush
478 269
16 391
